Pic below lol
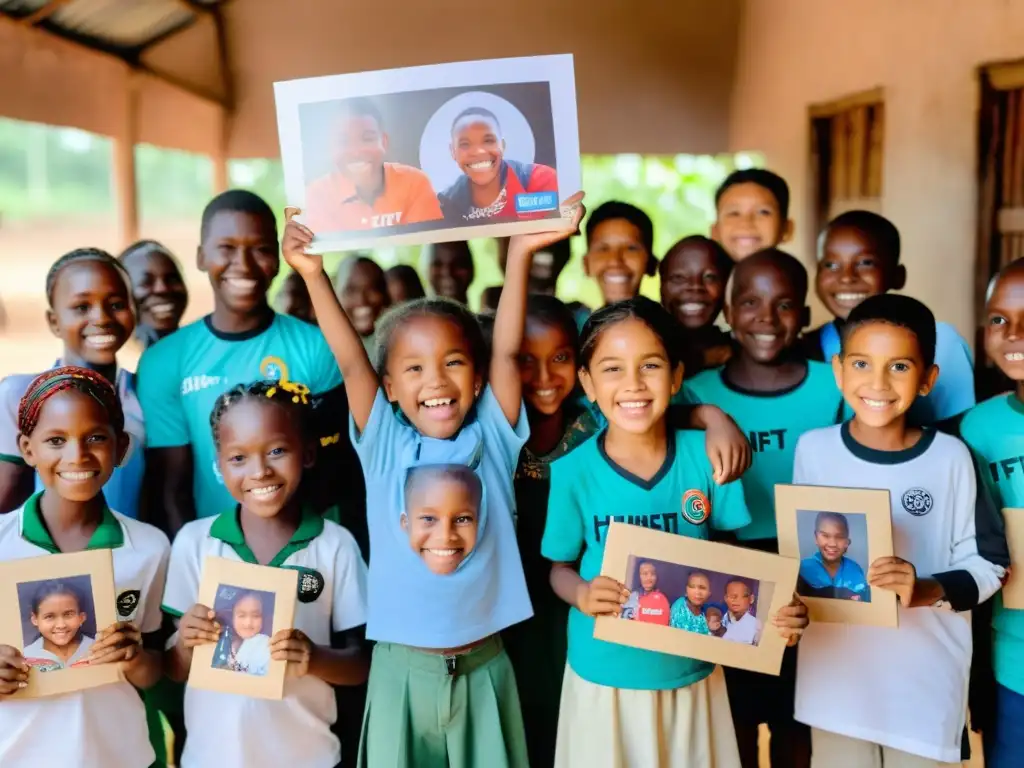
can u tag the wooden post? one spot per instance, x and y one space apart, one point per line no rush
125 178
219 157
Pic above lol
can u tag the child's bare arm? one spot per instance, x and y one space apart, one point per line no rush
346 665
196 627
510 319
727 447
361 382
603 596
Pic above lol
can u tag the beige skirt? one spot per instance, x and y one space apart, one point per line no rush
601 727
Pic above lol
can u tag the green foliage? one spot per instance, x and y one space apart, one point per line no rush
47 171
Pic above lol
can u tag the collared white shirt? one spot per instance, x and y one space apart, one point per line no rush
745 629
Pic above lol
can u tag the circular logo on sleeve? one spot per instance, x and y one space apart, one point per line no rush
695 507
311 584
127 602
917 501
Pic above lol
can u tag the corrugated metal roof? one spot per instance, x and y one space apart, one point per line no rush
121 27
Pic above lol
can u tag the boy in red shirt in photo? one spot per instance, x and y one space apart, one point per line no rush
492 187
364 192
652 606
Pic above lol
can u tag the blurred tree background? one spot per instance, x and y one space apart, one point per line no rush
50 173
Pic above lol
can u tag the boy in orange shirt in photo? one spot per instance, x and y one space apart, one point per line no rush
364 192
652 605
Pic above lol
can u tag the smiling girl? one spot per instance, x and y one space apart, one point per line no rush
159 291
433 398
490 184
70 430
91 312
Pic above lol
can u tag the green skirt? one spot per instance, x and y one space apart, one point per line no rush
425 710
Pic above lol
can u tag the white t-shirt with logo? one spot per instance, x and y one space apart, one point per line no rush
232 731
903 688
104 726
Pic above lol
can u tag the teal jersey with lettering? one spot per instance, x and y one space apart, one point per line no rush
588 492
994 431
772 422
181 376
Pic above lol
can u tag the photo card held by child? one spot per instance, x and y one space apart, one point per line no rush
836 533
51 609
252 603
696 598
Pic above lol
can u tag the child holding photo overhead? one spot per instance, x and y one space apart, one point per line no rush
265 446
71 431
900 694
623 705
438 648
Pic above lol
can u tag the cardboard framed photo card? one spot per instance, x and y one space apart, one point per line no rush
431 154
252 603
1013 590
697 598
837 533
52 608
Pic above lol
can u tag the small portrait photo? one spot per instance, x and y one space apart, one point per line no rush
430 154
441 514
833 555
692 599
58 622
246 617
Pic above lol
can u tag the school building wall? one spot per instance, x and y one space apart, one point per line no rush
926 55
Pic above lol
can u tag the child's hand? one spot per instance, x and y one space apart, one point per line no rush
294 242
292 646
896 575
13 670
791 621
197 627
603 596
522 245
727 447
118 642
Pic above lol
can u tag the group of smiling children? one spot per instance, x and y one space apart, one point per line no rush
493 465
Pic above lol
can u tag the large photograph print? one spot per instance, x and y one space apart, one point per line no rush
431 154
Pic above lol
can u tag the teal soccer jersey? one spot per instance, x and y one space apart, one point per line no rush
994 430
181 377
772 423
588 492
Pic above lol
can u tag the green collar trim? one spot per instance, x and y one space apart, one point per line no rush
228 529
108 534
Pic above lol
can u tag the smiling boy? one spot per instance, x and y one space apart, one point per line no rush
442 514
752 212
741 626
449 268
363 191
829 572
859 257
899 696
620 242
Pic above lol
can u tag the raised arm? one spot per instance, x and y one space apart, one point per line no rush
361 382
510 319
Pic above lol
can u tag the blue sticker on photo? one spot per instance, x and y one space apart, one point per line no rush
532 202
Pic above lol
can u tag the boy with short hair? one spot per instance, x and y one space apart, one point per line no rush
620 251
752 212
774 395
652 605
829 572
741 626
859 257
994 430
899 696
363 191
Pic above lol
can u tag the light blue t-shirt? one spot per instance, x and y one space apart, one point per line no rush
123 488
994 430
954 389
816 581
588 492
408 603
181 376
772 422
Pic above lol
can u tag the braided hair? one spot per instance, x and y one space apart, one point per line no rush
80 255
63 379
292 396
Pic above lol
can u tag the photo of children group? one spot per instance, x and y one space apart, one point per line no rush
833 555
429 159
246 617
442 514
58 622
702 601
